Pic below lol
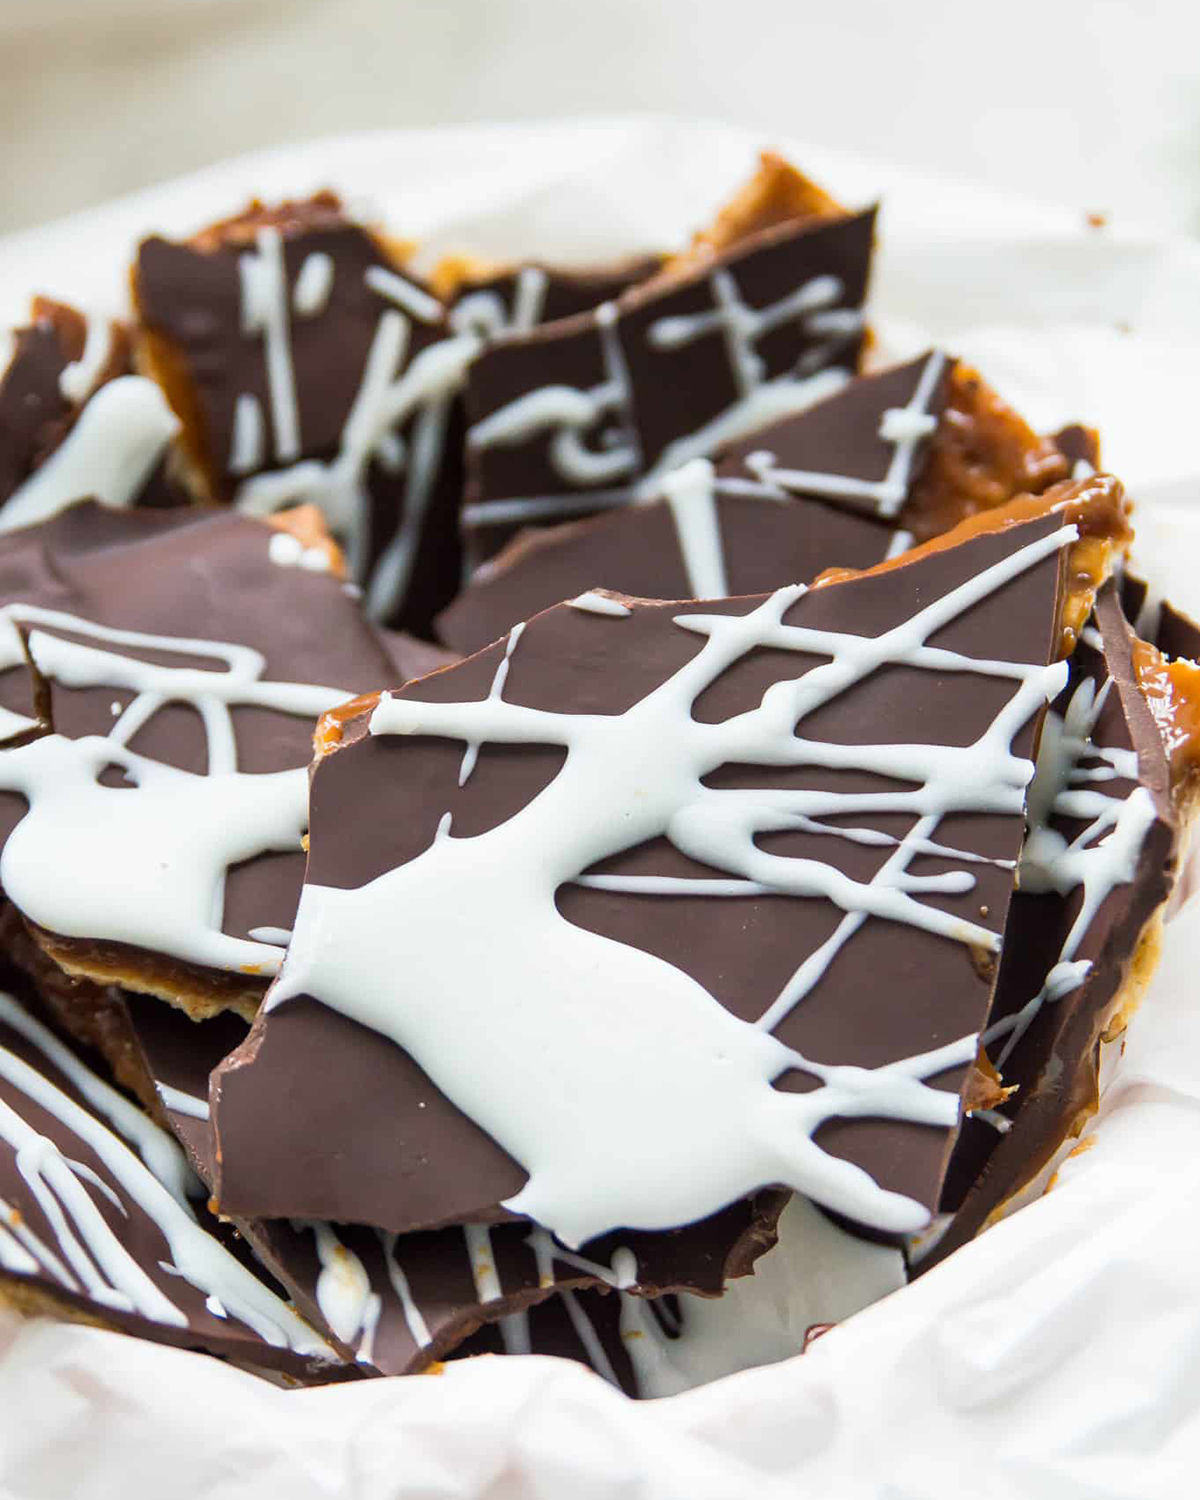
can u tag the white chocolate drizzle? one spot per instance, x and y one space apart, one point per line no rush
905 427
691 497
596 603
77 380
265 312
108 455
90 1259
179 1102
145 863
537 1065
407 296
343 1290
246 445
310 295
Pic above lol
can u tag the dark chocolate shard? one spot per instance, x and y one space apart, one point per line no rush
36 413
307 365
101 1221
674 908
75 422
787 502
1095 874
567 418
181 659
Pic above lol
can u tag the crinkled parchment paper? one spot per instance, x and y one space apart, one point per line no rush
1057 1356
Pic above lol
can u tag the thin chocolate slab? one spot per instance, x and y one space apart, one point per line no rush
661 920
181 665
567 418
395 1305
820 488
307 365
76 423
39 400
1098 865
101 1219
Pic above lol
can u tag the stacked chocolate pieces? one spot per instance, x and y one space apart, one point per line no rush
546 1012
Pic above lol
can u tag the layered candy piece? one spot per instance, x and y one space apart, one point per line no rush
103 1222
1109 811
612 960
389 1305
307 365
760 318
162 673
889 458
75 422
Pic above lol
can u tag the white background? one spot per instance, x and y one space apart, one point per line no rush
1095 103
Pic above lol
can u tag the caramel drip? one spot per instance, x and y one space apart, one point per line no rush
981 456
332 724
1096 505
1172 691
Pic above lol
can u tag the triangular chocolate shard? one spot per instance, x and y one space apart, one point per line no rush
1095 874
714 828
101 1221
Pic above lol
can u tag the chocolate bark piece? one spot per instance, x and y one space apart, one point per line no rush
60 364
180 659
670 956
567 418
306 364
39 399
495 300
395 1306
788 501
1097 869
101 1221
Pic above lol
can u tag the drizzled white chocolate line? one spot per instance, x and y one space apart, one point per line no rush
108 455
145 863
545 1058
90 1259
389 393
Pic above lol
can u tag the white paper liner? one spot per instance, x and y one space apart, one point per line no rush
1058 1355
